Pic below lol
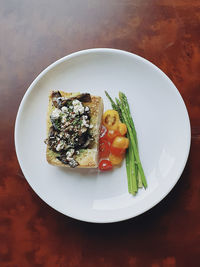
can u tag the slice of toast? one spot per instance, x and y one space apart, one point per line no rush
88 157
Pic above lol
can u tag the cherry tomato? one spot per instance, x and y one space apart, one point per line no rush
122 128
120 142
111 134
111 119
103 131
104 148
105 165
117 151
115 160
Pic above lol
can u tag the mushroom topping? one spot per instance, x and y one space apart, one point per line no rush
70 130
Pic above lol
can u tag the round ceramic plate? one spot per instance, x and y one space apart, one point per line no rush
161 122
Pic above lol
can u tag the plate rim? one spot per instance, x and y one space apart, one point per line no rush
66 58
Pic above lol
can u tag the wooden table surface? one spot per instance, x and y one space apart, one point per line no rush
33 34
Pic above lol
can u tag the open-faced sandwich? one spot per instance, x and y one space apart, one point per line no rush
76 138
73 128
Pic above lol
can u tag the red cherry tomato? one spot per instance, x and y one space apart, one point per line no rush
105 165
117 151
111 134
104 148
103 131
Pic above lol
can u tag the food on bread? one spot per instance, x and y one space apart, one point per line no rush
73 128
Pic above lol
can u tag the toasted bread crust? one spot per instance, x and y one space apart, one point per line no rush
88 158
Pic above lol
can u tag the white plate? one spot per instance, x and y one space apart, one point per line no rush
161 121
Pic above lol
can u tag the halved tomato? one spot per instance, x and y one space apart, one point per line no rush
122 128
120 142
115 160
104 148
103 131
111 119
117 151
111 134
105 165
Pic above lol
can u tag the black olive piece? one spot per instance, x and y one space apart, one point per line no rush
52 132
59 103
55 94
84 97
86 144
73 163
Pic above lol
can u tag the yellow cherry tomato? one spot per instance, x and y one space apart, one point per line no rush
115 160
111 119
122 128
120 142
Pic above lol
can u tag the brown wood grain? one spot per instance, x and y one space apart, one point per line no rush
34 34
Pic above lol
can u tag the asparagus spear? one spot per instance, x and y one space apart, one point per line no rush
128 155
124 100
139 180
131 171
134 144
132 166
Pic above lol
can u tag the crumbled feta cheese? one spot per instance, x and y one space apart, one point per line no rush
76 102
70 153
55 113
64 109
60 146
67 135
73 115
85 121
78 107
64 119
86 108
91 126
